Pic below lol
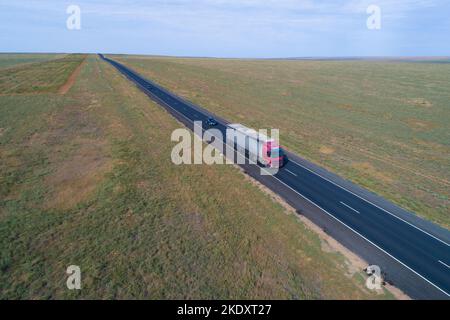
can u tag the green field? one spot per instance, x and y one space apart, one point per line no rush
86 179
13 59
39 77
382 124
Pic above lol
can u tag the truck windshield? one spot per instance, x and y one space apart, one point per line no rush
275 153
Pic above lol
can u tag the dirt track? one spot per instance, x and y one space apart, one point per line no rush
71 80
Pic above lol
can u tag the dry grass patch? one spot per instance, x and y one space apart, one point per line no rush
2 131
420 102
367 169
420 125
77 177
326 150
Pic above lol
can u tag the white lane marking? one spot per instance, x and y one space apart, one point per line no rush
343 188
290 172
444 264
349 207
350 228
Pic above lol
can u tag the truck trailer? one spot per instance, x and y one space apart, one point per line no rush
258 147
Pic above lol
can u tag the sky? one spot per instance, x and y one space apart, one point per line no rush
233 28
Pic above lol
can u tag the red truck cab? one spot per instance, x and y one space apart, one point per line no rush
273 155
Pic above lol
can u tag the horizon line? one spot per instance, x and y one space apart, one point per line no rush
324 57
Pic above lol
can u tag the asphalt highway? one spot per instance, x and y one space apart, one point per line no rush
413 254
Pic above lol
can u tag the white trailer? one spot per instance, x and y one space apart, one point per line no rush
256 146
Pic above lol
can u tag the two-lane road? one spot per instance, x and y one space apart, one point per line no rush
414 254
418 250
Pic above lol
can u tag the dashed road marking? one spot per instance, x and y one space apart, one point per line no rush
291 172
444 264
349 207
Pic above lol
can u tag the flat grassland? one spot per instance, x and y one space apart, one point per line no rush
12 59
384 125
86 179
39 77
